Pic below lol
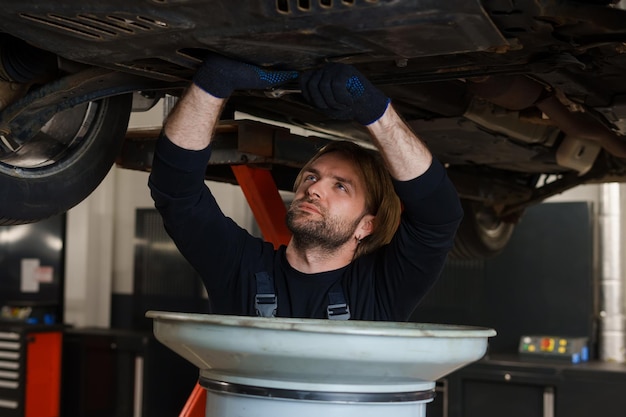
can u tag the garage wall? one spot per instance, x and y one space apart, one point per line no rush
89 258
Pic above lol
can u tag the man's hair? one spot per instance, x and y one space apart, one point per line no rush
380 197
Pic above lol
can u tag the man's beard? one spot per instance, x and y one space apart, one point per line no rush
327 233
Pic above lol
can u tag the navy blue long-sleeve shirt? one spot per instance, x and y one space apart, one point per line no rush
386 284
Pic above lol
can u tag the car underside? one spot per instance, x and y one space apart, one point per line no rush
520 100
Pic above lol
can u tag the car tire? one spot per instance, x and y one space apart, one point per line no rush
31 193
482 233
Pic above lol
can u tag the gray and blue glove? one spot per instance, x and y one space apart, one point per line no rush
220 76
343 93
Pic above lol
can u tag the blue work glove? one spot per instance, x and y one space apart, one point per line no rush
343 93
220 76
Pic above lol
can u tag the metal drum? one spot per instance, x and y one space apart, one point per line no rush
252 366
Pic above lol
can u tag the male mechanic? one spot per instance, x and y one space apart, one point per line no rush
351 255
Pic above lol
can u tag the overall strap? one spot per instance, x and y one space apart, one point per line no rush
265 302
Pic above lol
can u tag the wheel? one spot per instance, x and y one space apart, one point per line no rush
482 233
64 162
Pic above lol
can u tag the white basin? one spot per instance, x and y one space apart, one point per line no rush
280 366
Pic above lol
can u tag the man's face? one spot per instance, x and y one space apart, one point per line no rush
329 205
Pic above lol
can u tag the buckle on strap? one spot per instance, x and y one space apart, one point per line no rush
265 302
338 311
265 305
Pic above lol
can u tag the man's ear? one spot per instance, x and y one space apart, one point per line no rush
366 226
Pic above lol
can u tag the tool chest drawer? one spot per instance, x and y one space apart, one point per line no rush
10 369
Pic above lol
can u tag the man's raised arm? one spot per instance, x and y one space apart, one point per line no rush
344 93
192 122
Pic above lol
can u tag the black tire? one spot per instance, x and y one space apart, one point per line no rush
482 233
33 191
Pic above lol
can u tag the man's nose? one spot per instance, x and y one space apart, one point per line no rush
314 190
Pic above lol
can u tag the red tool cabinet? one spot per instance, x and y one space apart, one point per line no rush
30 370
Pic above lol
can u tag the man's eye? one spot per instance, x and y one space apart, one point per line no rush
310 177
341 186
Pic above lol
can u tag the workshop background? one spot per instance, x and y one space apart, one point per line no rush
558 283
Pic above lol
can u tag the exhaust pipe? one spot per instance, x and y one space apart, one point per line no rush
520 92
